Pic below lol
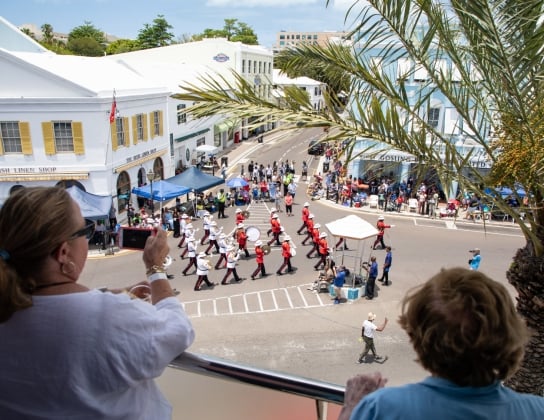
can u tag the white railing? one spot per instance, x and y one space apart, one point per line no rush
212 388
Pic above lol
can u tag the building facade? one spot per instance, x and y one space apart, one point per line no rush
286 39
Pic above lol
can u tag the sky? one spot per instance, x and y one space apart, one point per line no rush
125 18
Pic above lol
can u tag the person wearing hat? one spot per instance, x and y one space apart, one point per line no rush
183 229
286 254
213 238
323 251
259 253
474 262
202 268
222 242
189 232
239 216
309 229
221 200
191 249
241 239
276 230
367 334
305 214
233 256
206 220
372 270
273 211
315 240
381 226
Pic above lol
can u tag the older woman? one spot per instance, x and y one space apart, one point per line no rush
68 351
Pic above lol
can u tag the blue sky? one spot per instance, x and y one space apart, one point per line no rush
124 18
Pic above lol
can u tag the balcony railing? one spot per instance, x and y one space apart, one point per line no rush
213 388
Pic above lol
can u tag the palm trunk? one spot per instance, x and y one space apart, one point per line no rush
526 274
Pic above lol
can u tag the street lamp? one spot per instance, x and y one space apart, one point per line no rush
151 177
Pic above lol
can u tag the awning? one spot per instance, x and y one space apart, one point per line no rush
190 136
225 125
139 161
54 176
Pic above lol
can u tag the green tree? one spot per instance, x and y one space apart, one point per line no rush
47 34
28 32
122 46
86 40
233 30
495 85
156 35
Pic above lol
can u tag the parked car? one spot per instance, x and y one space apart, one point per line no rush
316 148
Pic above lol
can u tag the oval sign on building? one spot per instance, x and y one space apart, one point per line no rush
221 58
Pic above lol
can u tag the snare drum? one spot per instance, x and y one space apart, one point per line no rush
253 233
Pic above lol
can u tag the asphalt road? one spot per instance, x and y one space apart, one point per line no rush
276 322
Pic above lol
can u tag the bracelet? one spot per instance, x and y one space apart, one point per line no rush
155 269
156 276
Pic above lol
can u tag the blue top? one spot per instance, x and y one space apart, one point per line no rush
373 272
340 279
437 398
388 261
475 263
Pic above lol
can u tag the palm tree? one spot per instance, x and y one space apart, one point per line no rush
494 84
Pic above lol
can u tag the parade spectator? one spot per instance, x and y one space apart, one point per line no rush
288 204
68 351
467 333
372 270
474 262
367 334
386 266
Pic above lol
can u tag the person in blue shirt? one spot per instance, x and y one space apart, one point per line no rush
474 262
339 281
387 266
372 271
467 333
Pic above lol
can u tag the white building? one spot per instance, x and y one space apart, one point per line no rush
314 88
55 121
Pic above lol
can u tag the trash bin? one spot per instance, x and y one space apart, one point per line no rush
325 167
224 160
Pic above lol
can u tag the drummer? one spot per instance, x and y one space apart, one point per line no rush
259 252
241 238
276 230
273 211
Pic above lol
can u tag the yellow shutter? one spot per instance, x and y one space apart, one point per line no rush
26 141
1 145
126 131
134 129
160 123
144 122
77 133
48 138
113 133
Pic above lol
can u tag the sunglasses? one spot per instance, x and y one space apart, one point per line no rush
87 231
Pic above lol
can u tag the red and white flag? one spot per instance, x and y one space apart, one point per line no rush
113 109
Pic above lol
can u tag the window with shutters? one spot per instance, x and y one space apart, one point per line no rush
64 138
140 127
11 137
120 131
182 115
434 117
157 123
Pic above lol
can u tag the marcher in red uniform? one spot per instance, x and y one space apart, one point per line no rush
273 211
315 241
276 230
259 252
239 217
286 254
241 239
323 251
381 226
305 214
309 229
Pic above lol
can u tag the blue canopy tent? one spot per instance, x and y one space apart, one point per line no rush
162 191
196 180
92 206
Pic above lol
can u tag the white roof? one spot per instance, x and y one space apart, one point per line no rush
352 227
280 78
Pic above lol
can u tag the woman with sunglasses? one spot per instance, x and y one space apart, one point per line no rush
68 351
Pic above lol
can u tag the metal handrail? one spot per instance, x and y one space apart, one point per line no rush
319 391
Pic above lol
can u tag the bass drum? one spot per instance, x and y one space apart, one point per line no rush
253 233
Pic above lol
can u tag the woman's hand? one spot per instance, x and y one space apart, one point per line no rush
156 249
357 388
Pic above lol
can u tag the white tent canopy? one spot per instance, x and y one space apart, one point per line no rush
208 149
352 227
